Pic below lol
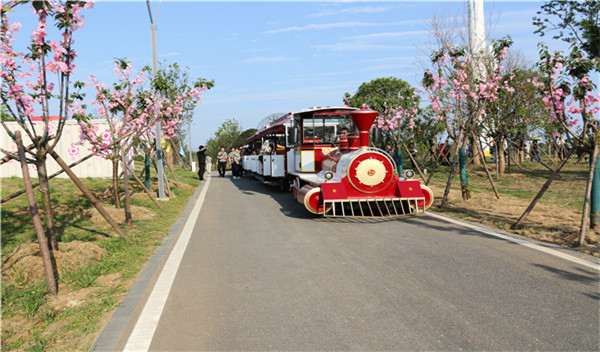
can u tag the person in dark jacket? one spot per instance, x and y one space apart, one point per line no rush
201 162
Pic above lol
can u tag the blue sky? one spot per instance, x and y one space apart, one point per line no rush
268 57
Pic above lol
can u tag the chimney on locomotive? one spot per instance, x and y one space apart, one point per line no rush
363 120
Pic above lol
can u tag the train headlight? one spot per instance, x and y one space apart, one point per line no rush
328 175
408 174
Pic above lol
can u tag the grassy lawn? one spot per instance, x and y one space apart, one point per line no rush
525 183
91 287
556 218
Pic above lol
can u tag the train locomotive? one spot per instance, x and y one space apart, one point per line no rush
323 156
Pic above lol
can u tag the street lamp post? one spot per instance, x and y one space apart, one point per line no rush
159 152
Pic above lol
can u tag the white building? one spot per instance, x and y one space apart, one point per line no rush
70 148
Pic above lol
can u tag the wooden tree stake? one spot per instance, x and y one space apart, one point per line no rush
413 161
542 191
487 172
128 219
175 180
16 194
143 186
90 196
49 268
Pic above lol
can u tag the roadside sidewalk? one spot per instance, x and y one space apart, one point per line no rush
116 332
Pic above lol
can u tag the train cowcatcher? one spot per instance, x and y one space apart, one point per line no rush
323 156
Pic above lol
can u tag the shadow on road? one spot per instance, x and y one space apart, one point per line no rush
584 276
288 206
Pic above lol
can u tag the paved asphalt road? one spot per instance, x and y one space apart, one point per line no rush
259 273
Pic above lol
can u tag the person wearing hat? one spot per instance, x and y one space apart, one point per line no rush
201 161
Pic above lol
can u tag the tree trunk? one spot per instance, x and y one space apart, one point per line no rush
464 179
44 190
588 193
144 187
115 185
497 161
49 264
89 196
595 198
128 219
500 158
521 156
399 159
452 170
475 151
449 182
147 170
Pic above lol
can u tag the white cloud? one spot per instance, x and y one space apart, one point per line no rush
282 94
322 26
386 35
334 25
349 46
352 10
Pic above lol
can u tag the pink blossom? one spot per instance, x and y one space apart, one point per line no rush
74 151
39 34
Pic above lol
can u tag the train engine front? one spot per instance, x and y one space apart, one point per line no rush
359 181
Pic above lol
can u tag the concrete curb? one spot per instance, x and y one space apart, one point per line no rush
130 307
549 248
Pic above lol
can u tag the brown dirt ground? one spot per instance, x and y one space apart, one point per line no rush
548 223
137 213
24 264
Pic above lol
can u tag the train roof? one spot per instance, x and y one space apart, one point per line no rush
275 123
272 124
317 109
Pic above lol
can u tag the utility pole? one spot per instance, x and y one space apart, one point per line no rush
478 51
159 151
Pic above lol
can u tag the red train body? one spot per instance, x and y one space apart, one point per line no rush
330 173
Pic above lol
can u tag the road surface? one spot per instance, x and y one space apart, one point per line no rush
260 273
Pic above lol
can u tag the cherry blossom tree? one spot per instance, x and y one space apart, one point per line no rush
460 95
573 99
131 111
38 78
118 106
396 114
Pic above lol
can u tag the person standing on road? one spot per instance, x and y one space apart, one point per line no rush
234 160
241 152
201 162
222 162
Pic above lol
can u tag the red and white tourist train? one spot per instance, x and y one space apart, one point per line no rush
323 155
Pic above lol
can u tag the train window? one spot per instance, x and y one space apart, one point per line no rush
323 128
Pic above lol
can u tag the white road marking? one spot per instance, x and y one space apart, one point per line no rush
537 247
143 332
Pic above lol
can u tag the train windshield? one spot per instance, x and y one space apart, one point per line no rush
324 128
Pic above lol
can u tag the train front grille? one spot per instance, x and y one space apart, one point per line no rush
373 208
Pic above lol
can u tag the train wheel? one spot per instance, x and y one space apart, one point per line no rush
428 193
314 202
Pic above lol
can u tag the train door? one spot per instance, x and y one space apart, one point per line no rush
277 165
266 165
